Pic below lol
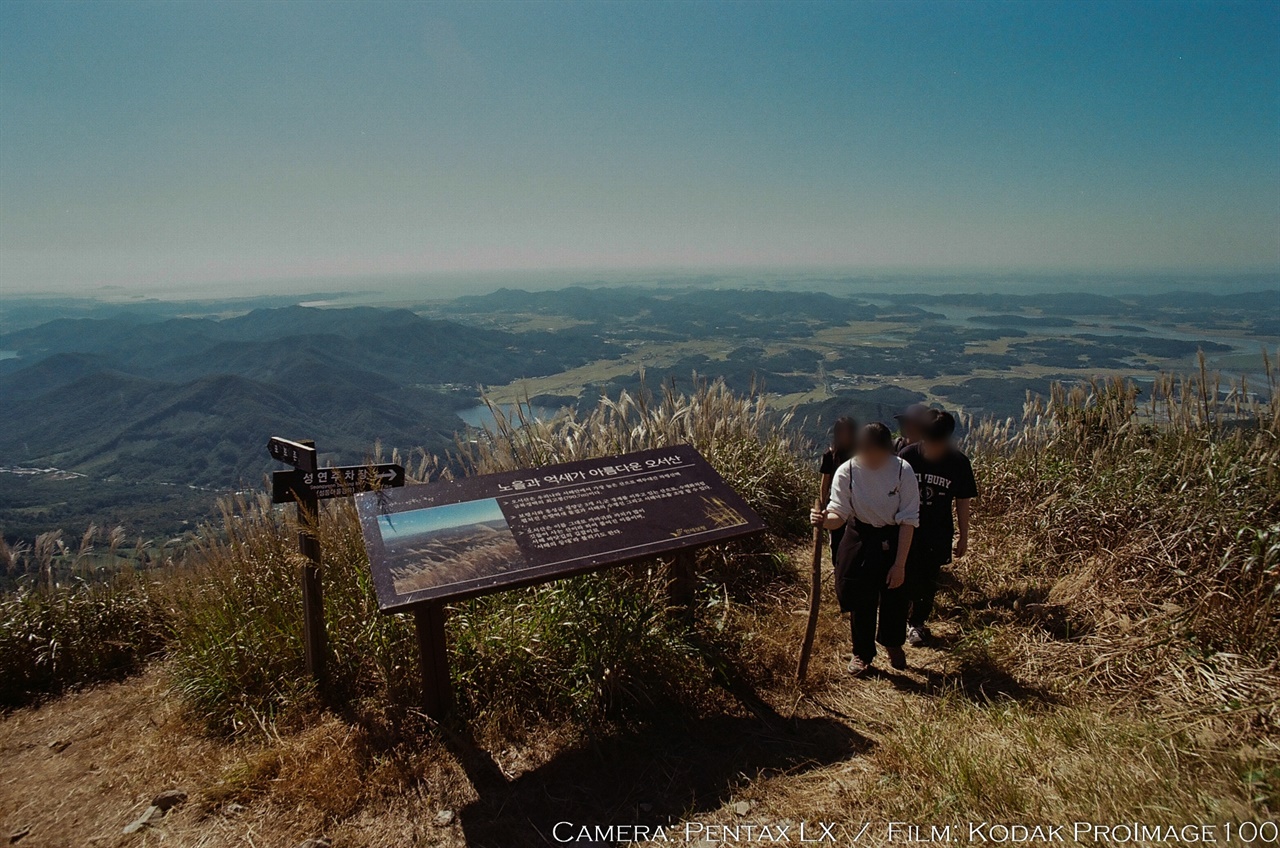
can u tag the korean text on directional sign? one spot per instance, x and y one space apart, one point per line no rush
467 537
342 481
298 455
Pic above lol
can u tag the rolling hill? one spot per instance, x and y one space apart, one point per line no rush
187 400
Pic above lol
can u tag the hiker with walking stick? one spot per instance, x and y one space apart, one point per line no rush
875 497
844 437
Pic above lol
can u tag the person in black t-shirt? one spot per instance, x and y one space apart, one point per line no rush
946 478
844 438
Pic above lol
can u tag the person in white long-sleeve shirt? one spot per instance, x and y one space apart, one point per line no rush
876 498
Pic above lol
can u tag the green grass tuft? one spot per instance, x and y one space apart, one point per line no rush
50 640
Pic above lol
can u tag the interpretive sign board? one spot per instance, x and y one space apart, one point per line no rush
468 537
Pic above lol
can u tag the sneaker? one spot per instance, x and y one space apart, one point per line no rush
859 668
917 636
897 658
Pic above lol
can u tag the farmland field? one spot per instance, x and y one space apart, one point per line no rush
179 395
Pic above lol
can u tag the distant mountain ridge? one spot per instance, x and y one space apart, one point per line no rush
136 394
184 400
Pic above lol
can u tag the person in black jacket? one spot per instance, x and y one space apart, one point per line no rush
945 478
844 439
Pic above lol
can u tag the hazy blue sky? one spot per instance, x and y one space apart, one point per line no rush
192 142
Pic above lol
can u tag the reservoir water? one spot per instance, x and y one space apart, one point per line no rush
481 416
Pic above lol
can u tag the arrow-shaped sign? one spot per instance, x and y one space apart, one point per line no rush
340 482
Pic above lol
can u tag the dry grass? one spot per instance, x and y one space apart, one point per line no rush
958 738
52 639
1148 535
753 449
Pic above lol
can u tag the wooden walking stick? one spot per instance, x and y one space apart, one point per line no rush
815 600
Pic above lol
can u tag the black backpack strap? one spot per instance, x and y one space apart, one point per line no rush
901 462
851 515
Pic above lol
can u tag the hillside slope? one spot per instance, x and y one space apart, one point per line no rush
968 734
1108 653
178 399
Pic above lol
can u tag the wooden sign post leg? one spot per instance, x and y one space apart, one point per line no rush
680 583
313 631
433 655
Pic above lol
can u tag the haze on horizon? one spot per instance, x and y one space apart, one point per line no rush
177 145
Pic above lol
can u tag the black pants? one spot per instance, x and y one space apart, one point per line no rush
836 535
924 565
876 612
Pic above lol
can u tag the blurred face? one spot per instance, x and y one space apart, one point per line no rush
845 438
871 453
935 448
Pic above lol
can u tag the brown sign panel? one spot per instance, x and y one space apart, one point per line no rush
476 535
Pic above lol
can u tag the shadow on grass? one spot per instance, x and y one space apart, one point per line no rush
978 679
649 777
655 775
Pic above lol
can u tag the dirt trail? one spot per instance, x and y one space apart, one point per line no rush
79 769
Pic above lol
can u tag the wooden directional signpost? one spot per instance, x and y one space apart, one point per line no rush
306 485
340 482
301 455
461 538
